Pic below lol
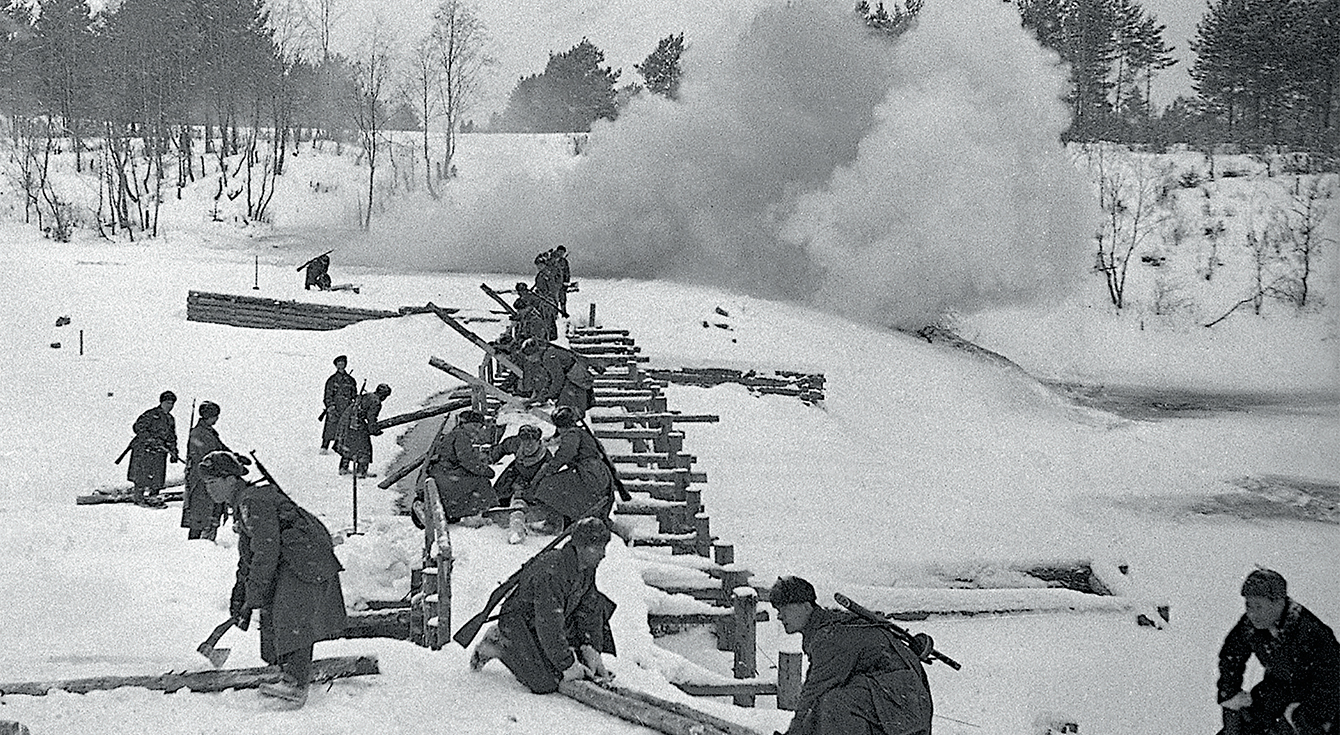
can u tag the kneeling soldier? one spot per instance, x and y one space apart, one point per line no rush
862 680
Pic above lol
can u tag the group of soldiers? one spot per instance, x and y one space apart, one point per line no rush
349 419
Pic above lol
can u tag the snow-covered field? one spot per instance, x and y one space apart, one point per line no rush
923 465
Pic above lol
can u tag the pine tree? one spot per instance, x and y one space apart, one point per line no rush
572 93
661 69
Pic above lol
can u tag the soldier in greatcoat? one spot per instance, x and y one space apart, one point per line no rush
454 469
286 568
1299 692
555 624
571 484
357 427
199 513
531 318
341 390
528 454
558 260
862 680
155 443
561 375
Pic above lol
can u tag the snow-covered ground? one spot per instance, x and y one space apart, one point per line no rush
924 464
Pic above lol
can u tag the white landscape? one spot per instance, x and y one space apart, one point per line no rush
951 202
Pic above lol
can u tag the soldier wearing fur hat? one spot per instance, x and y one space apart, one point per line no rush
199 513
286 568
1300 689
862 680
561 376
528 454
357 427
154 444
454 469
341 390
571 482
555 625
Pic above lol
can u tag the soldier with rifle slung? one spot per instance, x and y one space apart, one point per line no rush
340 391
863 678
554 623
318 272
154 444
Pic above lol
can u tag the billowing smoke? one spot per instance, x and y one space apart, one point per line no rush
818 162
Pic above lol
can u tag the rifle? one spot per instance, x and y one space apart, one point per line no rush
624 495
467 632
304 265
265 474
898 631
550 302
126 451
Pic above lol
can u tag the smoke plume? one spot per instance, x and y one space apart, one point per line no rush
815 161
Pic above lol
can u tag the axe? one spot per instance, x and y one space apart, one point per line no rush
217 656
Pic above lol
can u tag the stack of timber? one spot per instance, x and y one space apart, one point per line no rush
808 387
261 313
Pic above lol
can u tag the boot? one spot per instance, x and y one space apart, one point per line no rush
286 690
516 525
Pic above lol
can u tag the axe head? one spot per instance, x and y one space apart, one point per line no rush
216 656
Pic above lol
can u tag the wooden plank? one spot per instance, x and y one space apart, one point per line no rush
727 690
326 669
388 623
675 475
700 618
496 297
599 331
654 418
423 413
628 434
726 726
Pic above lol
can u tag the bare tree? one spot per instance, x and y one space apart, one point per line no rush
423 88
461 41
1303 228
369 88
1129 200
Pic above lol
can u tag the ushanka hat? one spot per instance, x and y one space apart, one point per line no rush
1265 583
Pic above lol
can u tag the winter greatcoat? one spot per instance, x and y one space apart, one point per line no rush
199 512
555 608
155 440
575 478
461 475
341 390
286 567
1302 664
514 478
357 427
861 680
530 318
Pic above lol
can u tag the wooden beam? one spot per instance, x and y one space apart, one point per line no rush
654 418
640 712
325 669
475 339
423 413
494 295
727 690
488 388
726 726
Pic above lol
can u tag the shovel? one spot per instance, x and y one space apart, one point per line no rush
217 656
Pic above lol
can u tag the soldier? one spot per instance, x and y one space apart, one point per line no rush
529 454
530 319
317 274
1299 690
571 482
562 376
555 624
341 390
286 568
155 443
199 513
357 427
558 260
862 680
454 470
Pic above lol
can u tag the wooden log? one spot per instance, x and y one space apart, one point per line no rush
494 295
627 434
637 711
587 331
744 663
654 418
677 475
475 339
423 413
726 726
214 680
488 388
401 473
390 623
789 679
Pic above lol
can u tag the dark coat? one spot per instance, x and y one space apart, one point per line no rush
861 679
199 512
357 427
554 609
461 475
155 441
341 390
1302 664
517 475
531 319
575 478
286 567
318 273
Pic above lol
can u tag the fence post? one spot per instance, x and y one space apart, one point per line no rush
746 636
788 679
416 629
591 318
702 527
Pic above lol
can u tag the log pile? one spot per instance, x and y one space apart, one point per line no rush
260 313
808 387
